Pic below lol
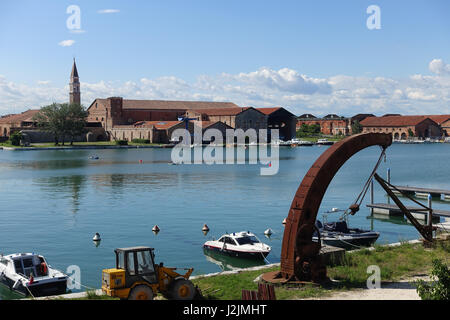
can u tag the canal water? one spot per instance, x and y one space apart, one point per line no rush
53 202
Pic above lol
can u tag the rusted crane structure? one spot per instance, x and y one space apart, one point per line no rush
300 259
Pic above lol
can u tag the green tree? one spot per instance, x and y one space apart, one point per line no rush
439 289
76 121
15 138
62 120
356 127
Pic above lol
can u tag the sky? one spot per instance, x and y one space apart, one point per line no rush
316 57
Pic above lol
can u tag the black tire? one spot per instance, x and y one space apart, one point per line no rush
182 289
141 292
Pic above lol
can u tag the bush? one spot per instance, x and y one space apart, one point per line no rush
143 141
439 289
121 142
15 138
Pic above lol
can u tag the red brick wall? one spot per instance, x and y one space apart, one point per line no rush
330 127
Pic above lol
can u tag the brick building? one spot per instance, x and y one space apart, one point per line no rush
443 121
237 118
130 119
281 119
402 127
331 124
17 122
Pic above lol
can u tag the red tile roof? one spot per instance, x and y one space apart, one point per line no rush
172 105
160 125
207 124
16 119
440 118
393 121
220 112
268 111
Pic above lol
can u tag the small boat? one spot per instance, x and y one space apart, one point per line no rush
239 244
94 157
30 274
324 142
227 263
337 234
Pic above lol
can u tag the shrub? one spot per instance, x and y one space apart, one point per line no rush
439 289
143 141
15 138
121 142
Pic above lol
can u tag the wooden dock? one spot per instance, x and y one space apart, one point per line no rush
418 212
424 192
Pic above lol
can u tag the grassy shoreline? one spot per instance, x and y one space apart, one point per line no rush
395 262
84 145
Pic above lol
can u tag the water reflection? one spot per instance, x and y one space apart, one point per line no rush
72 185
227 263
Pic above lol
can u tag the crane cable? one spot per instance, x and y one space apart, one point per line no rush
365 188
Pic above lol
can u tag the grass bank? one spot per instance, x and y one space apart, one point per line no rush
395 263
79 144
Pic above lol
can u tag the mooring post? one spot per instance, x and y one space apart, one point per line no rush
430 211
388 179
371 196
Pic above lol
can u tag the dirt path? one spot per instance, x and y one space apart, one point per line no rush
399 290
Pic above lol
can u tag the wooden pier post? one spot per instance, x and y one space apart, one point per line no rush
371 196
430 212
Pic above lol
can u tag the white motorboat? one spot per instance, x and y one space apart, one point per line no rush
301 143
239 244
29 273
324 142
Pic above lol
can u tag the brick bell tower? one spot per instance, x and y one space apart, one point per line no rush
75 95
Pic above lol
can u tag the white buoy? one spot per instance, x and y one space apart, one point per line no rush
155 228
205 227
268 232
284 221
96 237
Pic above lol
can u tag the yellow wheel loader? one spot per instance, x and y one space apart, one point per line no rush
136 277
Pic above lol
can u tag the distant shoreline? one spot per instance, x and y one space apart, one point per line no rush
84 147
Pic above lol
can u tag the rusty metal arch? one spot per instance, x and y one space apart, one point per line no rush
299 254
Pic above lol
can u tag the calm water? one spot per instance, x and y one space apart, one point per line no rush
53 202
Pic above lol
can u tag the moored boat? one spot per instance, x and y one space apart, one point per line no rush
337 234
239 244
324 142
30 274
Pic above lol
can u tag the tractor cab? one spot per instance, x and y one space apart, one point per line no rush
138 263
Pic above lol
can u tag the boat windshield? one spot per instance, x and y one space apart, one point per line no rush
247 240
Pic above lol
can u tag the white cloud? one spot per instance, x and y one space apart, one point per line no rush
43 82
265 87
439 67
66 43
108 11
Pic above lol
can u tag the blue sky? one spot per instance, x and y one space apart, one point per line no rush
312 56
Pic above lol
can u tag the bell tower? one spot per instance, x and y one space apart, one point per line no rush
75 96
